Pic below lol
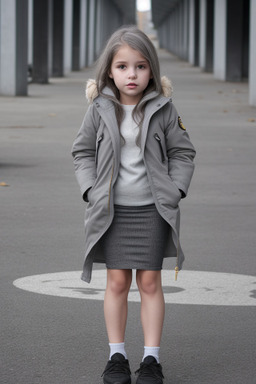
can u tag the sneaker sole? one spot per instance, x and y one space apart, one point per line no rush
119 382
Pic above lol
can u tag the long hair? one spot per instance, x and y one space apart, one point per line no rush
138 40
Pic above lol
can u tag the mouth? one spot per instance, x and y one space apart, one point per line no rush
131 85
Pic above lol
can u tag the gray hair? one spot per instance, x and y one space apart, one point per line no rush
138 40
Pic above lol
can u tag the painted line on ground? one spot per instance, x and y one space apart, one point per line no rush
192 287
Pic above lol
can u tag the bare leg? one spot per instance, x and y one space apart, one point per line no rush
115 303
152 306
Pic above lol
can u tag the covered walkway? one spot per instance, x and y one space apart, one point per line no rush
216 35
44 38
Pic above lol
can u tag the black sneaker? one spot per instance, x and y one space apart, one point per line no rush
150 372
117 370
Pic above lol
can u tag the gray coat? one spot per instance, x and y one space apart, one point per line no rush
168 156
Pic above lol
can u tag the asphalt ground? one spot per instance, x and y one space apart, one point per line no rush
53 339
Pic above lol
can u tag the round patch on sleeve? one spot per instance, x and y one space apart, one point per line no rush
181 125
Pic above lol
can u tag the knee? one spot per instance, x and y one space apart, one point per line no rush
119 283
148 283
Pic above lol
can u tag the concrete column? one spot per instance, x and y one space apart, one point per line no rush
76 36
252 57
219 44
91 35
68 33
234 40
163 36
21 47
186 29
174 32
202 34
116 17
206 35
209 36
194 32
50 37
40 41
181 28
83 21
245 44
13 47
160 36
178 29
58 38
100 28
191 31
169 32
30 32
103 8
164 33
87 33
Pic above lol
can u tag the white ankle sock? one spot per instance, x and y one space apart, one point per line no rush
151 351
117 348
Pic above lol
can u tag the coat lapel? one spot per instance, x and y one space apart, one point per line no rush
107 112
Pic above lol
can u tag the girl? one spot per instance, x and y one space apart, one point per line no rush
134 162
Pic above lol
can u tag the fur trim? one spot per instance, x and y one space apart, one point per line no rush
91 91
166 86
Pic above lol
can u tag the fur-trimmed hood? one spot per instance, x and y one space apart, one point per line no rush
91 91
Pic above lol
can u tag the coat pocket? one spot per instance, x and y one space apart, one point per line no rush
158 139
98 143
173 193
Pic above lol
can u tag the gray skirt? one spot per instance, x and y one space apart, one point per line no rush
136 239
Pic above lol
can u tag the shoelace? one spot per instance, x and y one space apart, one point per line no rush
117 366
146 370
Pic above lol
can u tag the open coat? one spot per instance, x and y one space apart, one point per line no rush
167 153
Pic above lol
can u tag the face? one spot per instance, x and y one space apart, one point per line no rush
131 73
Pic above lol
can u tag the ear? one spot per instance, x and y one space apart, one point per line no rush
110 75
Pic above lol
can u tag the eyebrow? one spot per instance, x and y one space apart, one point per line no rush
137 62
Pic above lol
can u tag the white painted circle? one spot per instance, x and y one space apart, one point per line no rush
192 287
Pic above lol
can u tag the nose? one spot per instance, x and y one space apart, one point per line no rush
132 74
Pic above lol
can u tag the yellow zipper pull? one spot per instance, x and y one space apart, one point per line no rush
177 262
176 272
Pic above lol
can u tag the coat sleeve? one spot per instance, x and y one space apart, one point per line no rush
180 150
83 151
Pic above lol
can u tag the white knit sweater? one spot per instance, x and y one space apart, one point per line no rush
132 186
